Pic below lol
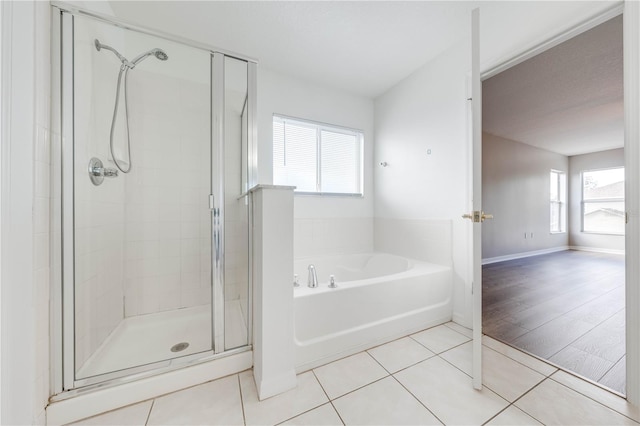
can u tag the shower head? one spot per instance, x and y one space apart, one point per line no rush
158 53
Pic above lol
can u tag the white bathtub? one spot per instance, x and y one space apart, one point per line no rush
379 297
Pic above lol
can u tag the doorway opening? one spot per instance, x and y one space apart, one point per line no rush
553 176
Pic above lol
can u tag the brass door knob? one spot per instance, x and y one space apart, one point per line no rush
477 216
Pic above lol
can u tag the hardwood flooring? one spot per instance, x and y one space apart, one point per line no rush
567 307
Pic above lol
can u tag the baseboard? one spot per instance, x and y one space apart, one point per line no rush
522 255
276 385
597 250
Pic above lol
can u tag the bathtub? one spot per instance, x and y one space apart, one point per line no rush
379 297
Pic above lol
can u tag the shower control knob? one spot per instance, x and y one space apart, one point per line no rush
97 171
107 172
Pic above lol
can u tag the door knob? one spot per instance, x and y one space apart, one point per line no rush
477 216
485 216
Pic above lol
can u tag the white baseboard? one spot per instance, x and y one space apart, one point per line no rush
522 255
276 385
597 250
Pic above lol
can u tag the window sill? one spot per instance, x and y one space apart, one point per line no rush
557 232
328 194
614 234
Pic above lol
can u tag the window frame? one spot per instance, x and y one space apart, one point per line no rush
561 201
583 202
319 127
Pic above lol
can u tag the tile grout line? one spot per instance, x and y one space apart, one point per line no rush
244 417
498 413
417 399
526 393
471 377
146 422
327 395
525 352
591 398
524 365
446 350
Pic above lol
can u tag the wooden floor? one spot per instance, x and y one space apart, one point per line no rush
567 307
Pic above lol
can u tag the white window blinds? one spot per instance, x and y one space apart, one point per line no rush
316 158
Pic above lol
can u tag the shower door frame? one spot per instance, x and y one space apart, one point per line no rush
63 369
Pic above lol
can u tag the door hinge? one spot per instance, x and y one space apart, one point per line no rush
211 205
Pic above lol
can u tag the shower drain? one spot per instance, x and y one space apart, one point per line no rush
179 347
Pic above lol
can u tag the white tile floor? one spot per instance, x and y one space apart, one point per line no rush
421 379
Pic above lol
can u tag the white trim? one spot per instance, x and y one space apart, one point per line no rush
512 60
631 42
18 124
522 255
5 96
476 143
99 401
597 250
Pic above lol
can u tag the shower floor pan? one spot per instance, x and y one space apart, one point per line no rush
145 339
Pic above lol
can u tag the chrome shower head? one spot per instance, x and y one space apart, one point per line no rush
158 53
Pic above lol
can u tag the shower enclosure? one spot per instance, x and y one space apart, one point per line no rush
153 208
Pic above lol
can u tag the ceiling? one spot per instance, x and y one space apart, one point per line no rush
568 100
362 47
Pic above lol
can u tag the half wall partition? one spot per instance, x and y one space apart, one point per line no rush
153 212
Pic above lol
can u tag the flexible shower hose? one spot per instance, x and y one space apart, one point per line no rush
123 69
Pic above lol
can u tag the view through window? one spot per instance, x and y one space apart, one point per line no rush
558 201
603 201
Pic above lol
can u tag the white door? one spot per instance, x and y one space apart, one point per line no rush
476 216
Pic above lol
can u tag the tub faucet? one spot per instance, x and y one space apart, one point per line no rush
312 282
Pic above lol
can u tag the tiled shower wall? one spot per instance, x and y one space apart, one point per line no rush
168 221
99 210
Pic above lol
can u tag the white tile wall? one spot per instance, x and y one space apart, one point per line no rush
99 210
168 221
422 239
321 236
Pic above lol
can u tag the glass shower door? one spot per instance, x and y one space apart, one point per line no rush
142 228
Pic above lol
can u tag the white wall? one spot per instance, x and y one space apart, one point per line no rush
577 164
323 224
25 212
426 194
515 189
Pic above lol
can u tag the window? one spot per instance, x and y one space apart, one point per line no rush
603 201
316 158
558 201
